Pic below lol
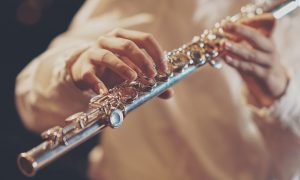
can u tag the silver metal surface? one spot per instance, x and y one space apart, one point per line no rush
289 7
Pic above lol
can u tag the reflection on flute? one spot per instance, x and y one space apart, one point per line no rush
109 109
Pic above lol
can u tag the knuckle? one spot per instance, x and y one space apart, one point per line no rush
261 72
271 45
128 45
252 56
106 55
87 55
256 37
235 48
89 52
236 63
248 32
255 70
243 30
239 29
123 69
246 67
252 68
148 37
84 56
117 31
101 40
266 59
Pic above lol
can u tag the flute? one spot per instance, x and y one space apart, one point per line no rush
109 110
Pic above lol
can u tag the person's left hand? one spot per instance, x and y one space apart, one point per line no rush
251 51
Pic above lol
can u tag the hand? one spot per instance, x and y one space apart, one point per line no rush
119 56
251 51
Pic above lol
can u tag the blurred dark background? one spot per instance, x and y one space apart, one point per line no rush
27 27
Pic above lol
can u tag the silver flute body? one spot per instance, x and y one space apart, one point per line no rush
108 110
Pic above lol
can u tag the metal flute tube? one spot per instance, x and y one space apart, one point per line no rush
109 110
160 88
35 159
30 162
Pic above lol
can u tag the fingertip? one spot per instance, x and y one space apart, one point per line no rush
164 66
132 75
99 88
169 93
103 91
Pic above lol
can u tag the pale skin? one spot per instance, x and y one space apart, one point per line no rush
120 55
253 54
125 54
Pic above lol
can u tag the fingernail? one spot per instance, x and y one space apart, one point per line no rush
164 66
131 75
99 89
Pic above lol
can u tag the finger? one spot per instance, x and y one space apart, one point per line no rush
231 37
167 94
253 36
247 53
147 42
109 60
131 65
245 67
264 22
89 80
125 47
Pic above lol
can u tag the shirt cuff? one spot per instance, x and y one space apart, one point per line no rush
286 109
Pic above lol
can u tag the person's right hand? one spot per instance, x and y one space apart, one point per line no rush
118 56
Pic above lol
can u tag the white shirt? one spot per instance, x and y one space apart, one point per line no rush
206 131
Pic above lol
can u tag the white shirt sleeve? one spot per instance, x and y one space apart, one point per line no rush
45 93
287 108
